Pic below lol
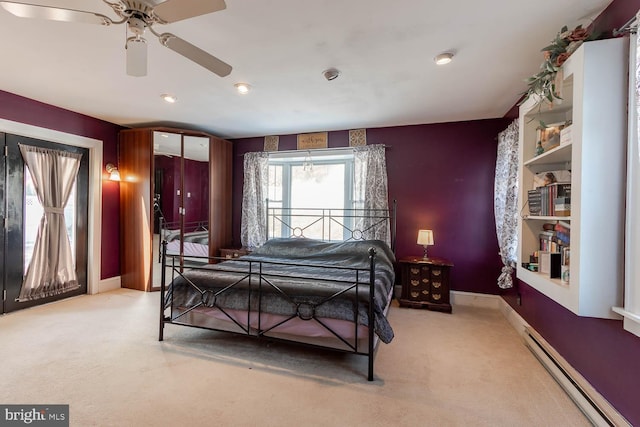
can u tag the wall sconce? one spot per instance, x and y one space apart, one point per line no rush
112 170
425 238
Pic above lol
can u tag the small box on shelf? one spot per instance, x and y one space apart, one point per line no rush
548 137
565 135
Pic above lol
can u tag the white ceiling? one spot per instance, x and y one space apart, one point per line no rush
384 50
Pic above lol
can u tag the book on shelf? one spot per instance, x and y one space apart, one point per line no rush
554 200
535 202
562 206
550 263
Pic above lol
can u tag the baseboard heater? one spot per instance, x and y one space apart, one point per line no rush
595 407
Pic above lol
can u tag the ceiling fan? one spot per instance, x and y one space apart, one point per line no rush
139 15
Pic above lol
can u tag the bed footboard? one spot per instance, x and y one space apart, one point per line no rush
252 285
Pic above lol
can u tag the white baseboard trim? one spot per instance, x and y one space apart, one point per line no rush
475 300
595 407
109 284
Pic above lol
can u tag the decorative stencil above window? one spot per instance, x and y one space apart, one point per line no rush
357 137
271 143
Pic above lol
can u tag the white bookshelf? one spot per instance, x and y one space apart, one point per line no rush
594 95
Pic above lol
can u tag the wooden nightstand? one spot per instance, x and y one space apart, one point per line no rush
233 252
425 283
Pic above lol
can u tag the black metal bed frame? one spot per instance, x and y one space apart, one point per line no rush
258 281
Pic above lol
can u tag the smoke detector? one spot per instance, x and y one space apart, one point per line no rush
331 74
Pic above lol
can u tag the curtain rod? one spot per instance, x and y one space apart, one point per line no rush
314 150
318 150
631 26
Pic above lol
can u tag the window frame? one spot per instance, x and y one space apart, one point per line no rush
289 160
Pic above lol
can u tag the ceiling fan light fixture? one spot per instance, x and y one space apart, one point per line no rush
242 88
171 99
136 48
443 58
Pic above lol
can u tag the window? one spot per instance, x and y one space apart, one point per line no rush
302 187
347 182
33 212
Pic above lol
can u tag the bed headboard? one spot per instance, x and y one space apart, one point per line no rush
332 224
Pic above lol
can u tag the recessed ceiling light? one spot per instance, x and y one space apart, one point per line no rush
169 98
443 58
331 74
242 88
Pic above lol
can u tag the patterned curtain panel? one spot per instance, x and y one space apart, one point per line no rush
52 268
253 231
371 191
506 202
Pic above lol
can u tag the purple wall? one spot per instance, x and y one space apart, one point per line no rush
435 187
24 110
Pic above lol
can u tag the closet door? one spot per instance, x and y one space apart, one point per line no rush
136 207
181 188
220 195
195 197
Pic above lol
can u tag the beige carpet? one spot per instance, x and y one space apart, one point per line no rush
100 354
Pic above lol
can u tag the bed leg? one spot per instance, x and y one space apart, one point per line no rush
372 289
162 289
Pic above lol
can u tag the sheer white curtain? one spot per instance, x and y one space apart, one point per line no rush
253 231
371 190
52 267
506 201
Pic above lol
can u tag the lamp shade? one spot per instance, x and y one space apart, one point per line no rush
425 237
112 170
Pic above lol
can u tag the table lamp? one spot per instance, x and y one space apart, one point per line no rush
425 238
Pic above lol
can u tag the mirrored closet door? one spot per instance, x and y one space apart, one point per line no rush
180 197
174 174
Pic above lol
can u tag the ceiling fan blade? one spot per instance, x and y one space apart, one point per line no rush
24 10
195 54
177 10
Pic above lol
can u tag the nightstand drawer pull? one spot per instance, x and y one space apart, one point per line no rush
436 272
415 282
425 280
414 270
425 269
437 284
436 296
425 292
415 294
